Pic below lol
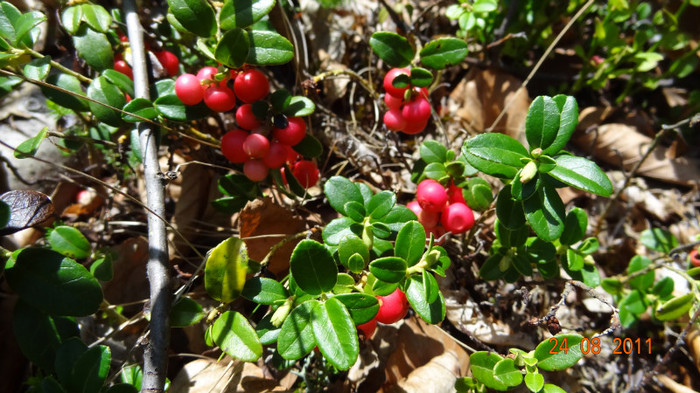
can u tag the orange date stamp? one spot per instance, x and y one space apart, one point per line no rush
592 346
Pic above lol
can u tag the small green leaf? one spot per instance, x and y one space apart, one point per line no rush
225 270
349 246
481 365
443 52
612 286
549 388
185 312
140 107
397 217
345 282
339 191
242 14
313 268
35 333
508 237
38 68
298 106
102 90
509 211
91 370
95 48
268 48
335 333
545 213
589 246
421 77
383 288
568 119
542 122
432 151
67 287
663 288
197 16
339 228
394 49
71 18
581 173
26 28
495 154
430 286
381 204
125 84
410 242
675 308
388 269
574 260
264 290
575 226
66 82
232 49
266 331
506 372
234 335
552 356
658 239
534 381
67 354
485 6
432 313
296 337
69 242
29 147
355 210
171 107
435 171
362 307
96 17
478 194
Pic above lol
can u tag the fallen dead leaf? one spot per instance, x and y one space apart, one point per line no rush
436 376
210 376
129 283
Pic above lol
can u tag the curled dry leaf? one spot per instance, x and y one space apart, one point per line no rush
436 376
27 209
207 375
483 94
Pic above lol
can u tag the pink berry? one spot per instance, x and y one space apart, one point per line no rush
392 308
432 197
415 207
232 146
251 85
457 218
256 146
123 67
255 170
393 102
454 194
389 78
189 89
416 111
293 133
394 120
219 98
207 74
415 128
169 61
276 156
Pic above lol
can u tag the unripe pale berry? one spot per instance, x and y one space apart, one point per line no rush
392 308
255 170
457 218
232 146
432 197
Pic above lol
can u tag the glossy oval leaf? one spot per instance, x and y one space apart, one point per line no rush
495 154
506 372
225 270
534 381
38 68
362 307
568 119
389 269
355 211
67 287
394 49
381 204
29 147
67 100
410 242
309 147
313 267
234 335
242 14
140 107
91 370
339 191
481 365
172 108
432 151
67 354
658 239
421 77
551 353
416 294
339 228
335 333
71 18
96 17
296 337
95 48
102 90
545 213
352 245
443 52
185 312
35 333
575 226
268 48
69 242
542 122
509 211
675 308
581 173
197 16
232 49
264 290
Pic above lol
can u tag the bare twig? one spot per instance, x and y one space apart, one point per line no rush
156 354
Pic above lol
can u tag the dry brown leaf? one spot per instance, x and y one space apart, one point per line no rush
483 94
263 217
207 376
674 386
129 283
693 341
436 376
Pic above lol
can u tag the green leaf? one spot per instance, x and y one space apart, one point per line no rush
268 48
421 77
197 16
416 294
125 84
549 388
485 6
410 242
91 370
481 365
235 184
232 49
509 211
53 283
542 122
478 194
430 286
506 372
283 101
394 49
309 147
335 333
559 359
296 337
264 290
4 219
362 307
38 68
313 268
397 217
663 288
388 269
339 191
574 260
266 331
96 17
225 270
141 107
102 90
381 204
435 170
545 213
432 151
234 335
67 82
443 52
355 211
589 246
95 48
575 226
36 334
339 228
69 242
172 108
349 246
383 288
67 354
658 239
29 147
495 154
568 119
581 173
675 308
26 28
534 381
242 14
71 18
185 312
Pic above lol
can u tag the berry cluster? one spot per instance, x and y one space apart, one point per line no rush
409 109
167 59
392 308
249 86
440 209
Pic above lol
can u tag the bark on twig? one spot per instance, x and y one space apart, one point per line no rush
155 356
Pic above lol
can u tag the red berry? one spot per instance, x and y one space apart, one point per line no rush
232 146
207 74
245 117
292 155
416 111
255 170
293 133
251 85
437 231
306 172
394 120
389 78
123 67
454 194
368 328
415 208
256 146
188 89
428 219
392 308
169 61
694 257
432 196
276 155
393 102
415 128
219 98
457 218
